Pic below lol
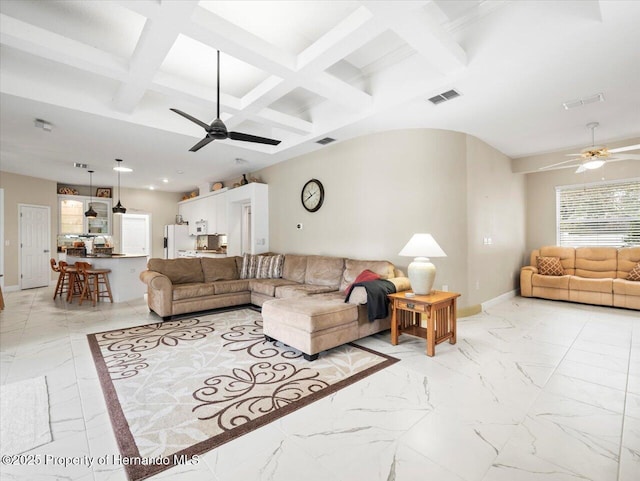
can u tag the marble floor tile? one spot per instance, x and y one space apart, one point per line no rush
534 390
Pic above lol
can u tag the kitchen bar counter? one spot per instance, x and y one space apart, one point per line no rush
124 276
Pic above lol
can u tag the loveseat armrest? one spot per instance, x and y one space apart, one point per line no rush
526 276
159 292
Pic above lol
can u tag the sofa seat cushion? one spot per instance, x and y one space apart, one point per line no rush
190 291
301 290
592 285
554 282
229 287
626 288
268 286
309 314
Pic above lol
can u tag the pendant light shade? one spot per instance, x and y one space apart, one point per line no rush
90 213
119 208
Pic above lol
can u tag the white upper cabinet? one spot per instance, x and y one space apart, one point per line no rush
211 208
71 219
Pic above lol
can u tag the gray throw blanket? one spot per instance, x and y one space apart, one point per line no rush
377 302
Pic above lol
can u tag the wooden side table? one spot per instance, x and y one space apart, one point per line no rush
440 309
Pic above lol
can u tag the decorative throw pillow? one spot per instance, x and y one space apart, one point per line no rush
634 274
549 266
365 276
249 266
269 267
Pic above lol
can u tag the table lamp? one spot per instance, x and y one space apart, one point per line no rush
422 273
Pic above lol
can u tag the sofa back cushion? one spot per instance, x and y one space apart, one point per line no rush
294 268
628 257
353 268
567 256
219 269
180 271
596 262
324 271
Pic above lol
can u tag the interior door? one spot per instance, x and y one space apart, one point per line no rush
135 234
35 244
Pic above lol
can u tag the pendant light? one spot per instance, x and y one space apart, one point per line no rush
90 213
119 208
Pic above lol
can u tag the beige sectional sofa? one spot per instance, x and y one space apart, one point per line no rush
304 306
591 275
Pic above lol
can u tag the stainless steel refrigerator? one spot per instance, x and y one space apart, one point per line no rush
177 238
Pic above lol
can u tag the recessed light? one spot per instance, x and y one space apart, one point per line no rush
180 171
151 187
166 181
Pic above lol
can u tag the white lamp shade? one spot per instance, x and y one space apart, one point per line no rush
422 273
422 245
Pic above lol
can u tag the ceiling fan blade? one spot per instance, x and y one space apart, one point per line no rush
625 149
201 144
624 157
580 169
193 119
556 165
252 138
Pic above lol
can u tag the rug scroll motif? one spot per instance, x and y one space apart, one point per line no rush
180 388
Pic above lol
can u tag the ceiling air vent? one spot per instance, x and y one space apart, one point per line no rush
325 141
79 165
444 96
591 99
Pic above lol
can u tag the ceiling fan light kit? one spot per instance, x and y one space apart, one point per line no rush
217 129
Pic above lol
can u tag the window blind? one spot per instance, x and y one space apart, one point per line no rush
603 214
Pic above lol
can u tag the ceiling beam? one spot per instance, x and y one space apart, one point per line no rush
158 36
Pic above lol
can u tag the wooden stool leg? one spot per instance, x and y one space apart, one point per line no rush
108 286
86 289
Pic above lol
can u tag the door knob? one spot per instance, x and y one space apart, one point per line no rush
46 250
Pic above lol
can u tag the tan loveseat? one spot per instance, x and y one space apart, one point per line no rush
308 312
591 275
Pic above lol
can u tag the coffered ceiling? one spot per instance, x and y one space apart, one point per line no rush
105 73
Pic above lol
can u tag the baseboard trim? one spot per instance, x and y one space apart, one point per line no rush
499 299
469 310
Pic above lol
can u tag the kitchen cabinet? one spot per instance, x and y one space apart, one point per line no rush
71 219
211 207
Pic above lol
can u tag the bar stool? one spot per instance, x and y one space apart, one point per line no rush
61 278
76 279
96 283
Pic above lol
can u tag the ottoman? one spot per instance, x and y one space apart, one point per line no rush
310 324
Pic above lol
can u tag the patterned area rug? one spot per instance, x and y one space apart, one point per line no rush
179 388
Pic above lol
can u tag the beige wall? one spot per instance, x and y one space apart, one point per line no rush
30 190
495 210
380 189
21 189
541 195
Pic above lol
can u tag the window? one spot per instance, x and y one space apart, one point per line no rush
602 214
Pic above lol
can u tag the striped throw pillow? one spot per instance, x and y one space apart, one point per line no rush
270 267
249 266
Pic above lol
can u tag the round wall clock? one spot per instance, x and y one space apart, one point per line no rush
312 195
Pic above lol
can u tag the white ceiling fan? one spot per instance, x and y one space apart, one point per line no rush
596 156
